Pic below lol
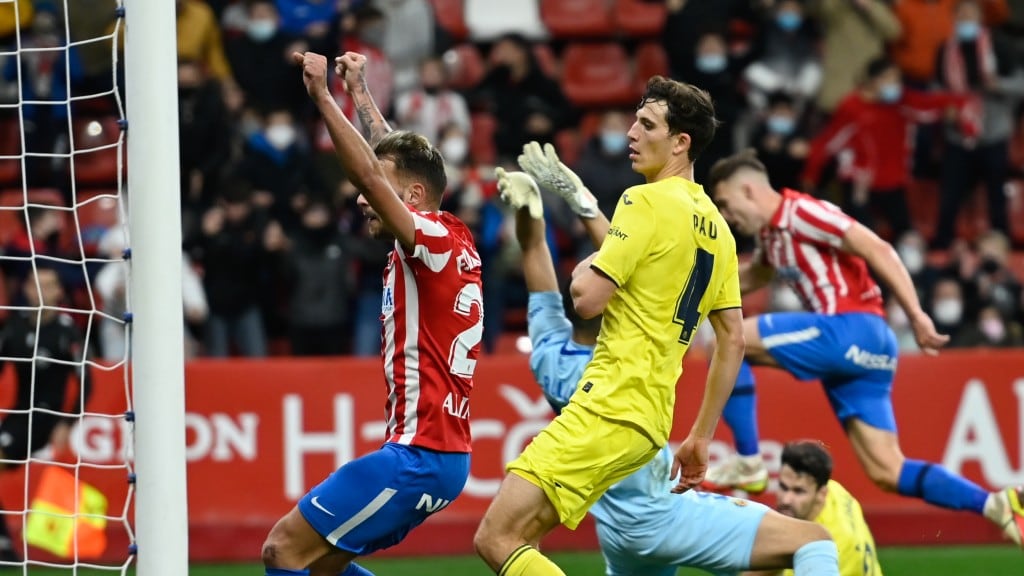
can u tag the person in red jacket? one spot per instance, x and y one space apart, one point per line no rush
868 136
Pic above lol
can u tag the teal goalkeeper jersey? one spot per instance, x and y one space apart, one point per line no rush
557 363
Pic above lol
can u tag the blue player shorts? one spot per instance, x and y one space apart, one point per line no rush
372 502
713 532
854 355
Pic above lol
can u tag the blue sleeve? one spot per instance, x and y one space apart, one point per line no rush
557 363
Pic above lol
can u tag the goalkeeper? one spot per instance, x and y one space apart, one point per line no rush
642 527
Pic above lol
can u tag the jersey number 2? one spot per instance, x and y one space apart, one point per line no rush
687 312
458 359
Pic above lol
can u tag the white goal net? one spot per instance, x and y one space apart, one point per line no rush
66 416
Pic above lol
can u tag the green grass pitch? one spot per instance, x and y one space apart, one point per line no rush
945 561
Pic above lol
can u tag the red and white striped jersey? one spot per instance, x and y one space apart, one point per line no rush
432 314
803 244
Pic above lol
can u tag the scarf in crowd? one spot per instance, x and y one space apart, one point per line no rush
954 75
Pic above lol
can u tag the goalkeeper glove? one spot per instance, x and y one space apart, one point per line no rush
518 190
545 167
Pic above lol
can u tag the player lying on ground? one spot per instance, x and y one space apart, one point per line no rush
669 261
432 327
842 339
642 527
807 491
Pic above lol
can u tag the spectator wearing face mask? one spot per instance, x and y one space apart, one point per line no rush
912 249
277 164
360 31
786 57
993 330
204 145
868 136
854 32
604 164
973 65
317 263
781 141
463 197
431 106
947 309
261 60
717 73
993 282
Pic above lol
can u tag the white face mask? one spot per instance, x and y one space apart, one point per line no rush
948 311
898 318
454 149
912 258
993 329
280 136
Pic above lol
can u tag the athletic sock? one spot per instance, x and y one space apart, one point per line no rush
740 412
818 558
527 560
936 485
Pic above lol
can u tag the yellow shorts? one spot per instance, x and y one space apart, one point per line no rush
578 456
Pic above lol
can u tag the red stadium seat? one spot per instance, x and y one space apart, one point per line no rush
10 145
577 18
12 208
482 148
650 60
568 143
92 167
450 15
639 18
597 75
465 66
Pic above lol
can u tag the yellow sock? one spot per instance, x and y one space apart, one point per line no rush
528 561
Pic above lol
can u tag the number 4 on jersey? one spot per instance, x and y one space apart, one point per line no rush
687 312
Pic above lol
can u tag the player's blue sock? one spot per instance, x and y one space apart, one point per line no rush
819 558
286 572
740 412
940 487
355 570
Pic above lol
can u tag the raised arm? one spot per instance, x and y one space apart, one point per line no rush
518 191
356 156
352 67
887 266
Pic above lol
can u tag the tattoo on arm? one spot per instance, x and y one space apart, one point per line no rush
369 116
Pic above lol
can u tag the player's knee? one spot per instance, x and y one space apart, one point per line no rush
885 477
269 553
274 549
483 539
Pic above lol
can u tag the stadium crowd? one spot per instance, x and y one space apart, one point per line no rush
907 113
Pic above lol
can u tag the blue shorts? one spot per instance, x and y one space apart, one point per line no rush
701 530
854 355
372 502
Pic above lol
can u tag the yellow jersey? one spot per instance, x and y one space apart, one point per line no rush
844 519
673 258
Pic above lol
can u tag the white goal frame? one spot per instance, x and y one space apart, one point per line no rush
157 330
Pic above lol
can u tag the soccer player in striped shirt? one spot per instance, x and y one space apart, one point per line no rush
433 322
842 339
644 528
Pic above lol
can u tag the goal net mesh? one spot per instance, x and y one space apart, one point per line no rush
66 477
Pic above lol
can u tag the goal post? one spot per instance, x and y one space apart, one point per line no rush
157 355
